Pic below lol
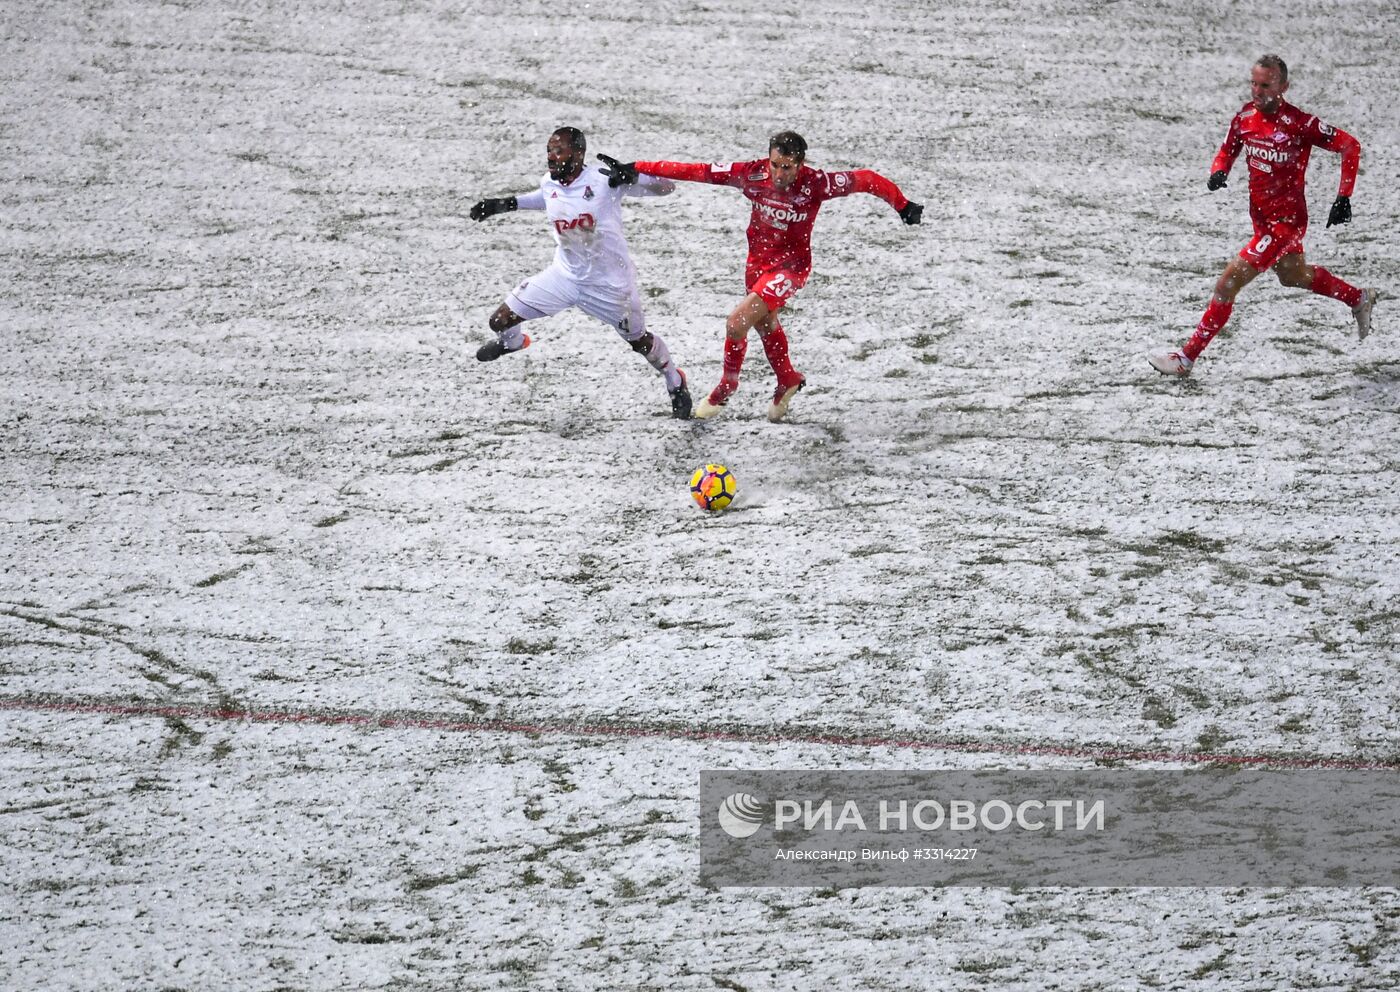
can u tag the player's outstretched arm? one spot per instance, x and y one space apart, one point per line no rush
492 206
870 181
691 172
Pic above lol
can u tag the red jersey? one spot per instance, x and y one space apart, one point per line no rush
780 227
1276 148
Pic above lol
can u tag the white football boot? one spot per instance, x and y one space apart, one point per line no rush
712 404
704 410
782 399
1171 362
1362 312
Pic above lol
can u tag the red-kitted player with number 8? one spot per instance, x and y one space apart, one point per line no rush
1276 138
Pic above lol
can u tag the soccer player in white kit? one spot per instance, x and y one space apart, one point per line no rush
592 269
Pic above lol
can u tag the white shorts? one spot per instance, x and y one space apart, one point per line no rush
552 291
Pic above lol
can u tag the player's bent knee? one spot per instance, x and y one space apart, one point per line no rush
737 326
642 345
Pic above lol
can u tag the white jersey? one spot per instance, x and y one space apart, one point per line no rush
586 218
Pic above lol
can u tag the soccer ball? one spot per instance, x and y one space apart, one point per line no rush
713 487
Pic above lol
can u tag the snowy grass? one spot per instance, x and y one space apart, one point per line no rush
252 465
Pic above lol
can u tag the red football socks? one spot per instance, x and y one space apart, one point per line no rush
775 345
734 351
1215 317
1326 284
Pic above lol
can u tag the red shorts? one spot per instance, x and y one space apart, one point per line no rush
1274 239
774 286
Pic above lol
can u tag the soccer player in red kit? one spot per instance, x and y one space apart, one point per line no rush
1276 138
786 195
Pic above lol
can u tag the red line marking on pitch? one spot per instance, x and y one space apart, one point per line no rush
450 724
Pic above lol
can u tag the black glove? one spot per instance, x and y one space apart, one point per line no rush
913 213
1216 180
1341 211
489 207
618 173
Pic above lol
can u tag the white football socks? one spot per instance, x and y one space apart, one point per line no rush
660 359
513 338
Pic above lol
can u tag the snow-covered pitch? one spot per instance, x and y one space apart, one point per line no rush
332 659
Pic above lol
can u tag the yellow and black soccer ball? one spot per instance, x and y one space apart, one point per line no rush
713 487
